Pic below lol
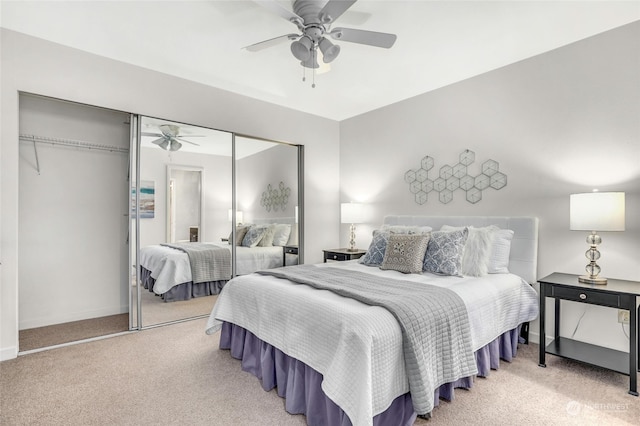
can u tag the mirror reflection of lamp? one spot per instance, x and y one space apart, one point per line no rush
596 211
238 216
352 213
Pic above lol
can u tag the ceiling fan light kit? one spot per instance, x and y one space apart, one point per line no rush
313 17
169 136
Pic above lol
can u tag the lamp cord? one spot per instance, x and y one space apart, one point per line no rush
577 325
623 330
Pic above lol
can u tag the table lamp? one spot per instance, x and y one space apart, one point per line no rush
596 211
352 213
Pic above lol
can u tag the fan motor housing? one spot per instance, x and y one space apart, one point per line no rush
308 10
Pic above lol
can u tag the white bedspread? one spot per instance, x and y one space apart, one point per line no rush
358 348
170 267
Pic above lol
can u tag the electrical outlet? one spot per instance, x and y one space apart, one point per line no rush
623 316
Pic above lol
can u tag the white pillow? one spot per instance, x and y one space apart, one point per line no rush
267 237
500 251
281 235
293 236
477 249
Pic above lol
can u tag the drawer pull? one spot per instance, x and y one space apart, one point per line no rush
583 296
335 257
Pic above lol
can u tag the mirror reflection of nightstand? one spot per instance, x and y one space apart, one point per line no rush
193 234
293 250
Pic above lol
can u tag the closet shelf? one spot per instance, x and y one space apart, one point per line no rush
72 143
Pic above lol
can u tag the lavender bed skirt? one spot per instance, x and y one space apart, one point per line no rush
300 384
184 291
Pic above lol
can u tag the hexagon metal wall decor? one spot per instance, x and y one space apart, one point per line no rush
451 178
275 198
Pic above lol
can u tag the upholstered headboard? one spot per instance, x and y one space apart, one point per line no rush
523 259
293 237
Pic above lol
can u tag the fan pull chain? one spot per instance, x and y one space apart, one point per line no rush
313 63
304 78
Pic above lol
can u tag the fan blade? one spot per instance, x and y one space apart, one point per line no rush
274 7
158 141
184 140
333 9
371 38
157 135
169 129
271 42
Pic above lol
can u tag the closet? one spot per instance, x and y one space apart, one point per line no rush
73 221
96 184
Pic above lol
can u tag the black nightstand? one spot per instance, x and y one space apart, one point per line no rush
619 294
342 254
288 250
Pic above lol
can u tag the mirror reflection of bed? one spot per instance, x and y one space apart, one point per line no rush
186 254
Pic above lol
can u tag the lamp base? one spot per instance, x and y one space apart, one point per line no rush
352 249
586 279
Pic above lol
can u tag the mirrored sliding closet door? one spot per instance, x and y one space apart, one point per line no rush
184 195
210 205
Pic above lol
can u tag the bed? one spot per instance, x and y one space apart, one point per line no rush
343 361
168 270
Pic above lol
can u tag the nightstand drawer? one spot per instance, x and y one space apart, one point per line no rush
338 256
290 250
582 295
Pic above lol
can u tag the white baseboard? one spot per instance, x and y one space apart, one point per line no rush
71 316
8 353
534 337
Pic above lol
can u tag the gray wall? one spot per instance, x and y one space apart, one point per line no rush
268 167
33 65
563 122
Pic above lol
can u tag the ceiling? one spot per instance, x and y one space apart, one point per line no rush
439 43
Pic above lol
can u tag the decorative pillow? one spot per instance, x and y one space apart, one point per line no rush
375 253
475 260
267 237
445 251
405 253
241 231
253 235
281 234
405 229
500 251
293 236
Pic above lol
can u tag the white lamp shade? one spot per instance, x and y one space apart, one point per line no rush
597 211
238 216
352 213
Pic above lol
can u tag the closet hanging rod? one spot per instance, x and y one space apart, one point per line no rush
73 143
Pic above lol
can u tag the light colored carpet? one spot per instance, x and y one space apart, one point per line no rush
57 334
156 311
177 375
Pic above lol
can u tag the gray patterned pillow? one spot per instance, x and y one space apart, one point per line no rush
445 251
253 235
241 231
375 253
267 237
405 253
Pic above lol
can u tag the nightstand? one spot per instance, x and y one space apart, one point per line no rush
342 254
288 250
619 294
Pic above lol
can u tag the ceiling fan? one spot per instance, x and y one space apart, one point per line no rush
169 137
313 19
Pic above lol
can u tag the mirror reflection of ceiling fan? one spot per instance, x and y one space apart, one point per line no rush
313 19
169 137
